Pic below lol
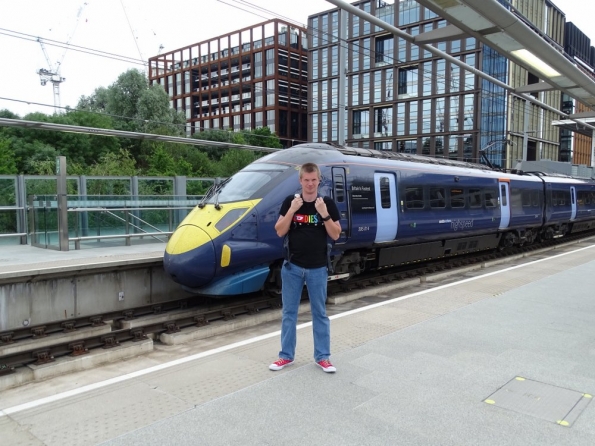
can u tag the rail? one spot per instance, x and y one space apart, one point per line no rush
101 218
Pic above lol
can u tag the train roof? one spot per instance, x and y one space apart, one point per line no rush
321 153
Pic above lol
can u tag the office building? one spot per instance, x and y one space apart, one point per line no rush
403 98
246 79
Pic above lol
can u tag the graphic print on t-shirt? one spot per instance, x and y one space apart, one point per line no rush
306 219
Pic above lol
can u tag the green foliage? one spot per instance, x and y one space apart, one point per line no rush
262 137
114 164
129 104
234 160
7 161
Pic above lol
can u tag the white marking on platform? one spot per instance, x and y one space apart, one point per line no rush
118 379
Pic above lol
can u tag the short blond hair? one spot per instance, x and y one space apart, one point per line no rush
309 168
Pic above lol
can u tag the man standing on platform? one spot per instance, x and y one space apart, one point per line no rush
308 220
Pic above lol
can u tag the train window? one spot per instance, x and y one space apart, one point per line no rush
457 198
437 195
588 198
474 198
580 198
244 185
526 198
535 200
229 218
384 193
491 198
414 198
339 188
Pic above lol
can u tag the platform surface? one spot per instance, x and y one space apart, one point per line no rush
18 260
416 369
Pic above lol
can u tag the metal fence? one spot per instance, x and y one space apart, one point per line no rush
95 209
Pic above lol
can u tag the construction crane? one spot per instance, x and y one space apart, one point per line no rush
52 74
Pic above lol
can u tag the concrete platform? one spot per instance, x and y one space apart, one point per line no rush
25 260
420 366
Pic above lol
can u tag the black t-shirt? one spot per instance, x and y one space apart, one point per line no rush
307 234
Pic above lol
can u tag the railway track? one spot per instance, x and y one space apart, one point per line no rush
200 311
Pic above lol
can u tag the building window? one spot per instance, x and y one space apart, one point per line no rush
413 117
334 93
366 88
426 117
334 126
383 121
324 127
408 82
258 95
315 128
270 62
408 146
408 12
414 47
355 90
384 50
366 53
401 118
377 86
334 60
270 92
271 120
354 56
383 145
314 32
361 123
385 12
257 65
354 26
454 114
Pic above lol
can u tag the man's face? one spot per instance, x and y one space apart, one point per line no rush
309 182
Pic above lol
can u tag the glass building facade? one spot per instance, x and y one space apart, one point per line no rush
400 97
251 78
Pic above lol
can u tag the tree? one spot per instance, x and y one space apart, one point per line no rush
234 160
7 158
262 137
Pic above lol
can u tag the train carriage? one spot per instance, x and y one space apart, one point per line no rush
395 209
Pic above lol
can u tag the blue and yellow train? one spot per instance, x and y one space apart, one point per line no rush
395 209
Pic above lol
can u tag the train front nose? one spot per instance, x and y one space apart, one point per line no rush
190 257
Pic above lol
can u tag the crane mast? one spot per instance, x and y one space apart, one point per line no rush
52 75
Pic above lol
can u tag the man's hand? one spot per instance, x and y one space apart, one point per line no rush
320 206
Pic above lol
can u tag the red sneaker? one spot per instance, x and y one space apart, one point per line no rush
326 366
280 363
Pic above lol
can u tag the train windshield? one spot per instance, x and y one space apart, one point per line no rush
245 184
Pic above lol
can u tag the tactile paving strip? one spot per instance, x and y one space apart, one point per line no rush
540 400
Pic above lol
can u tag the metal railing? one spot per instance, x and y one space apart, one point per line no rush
96 219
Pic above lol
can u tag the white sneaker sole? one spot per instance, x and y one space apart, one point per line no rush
328 369
276 368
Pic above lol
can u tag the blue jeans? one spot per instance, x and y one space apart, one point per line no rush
293 278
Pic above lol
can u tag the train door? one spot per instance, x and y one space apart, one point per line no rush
387 217
504 204
573 203
340 197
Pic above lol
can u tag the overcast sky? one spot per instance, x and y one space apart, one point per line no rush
135 30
